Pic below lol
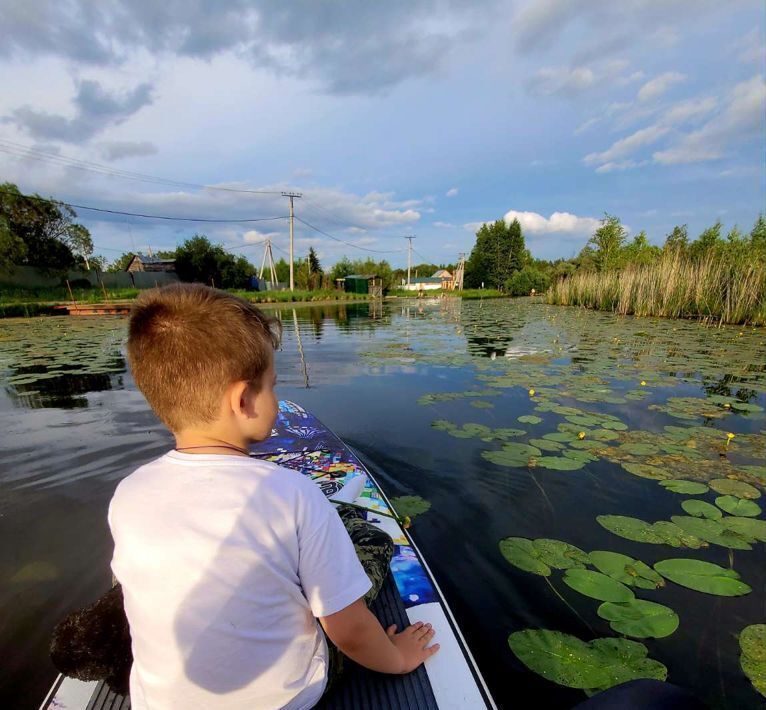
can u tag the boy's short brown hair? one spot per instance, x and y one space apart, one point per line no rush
187 343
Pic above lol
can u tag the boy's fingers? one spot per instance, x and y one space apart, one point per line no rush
431 650
391 630
426 632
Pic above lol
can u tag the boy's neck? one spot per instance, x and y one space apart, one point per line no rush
212 442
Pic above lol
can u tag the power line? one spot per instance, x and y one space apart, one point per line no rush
138 214
343 241
19 150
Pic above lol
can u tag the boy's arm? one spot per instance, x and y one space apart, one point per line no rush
356 632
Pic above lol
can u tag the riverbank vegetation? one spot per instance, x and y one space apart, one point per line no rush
712 278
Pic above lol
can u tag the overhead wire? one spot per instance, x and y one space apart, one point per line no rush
139 214
20 150
343 241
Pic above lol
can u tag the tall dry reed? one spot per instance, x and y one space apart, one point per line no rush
711 289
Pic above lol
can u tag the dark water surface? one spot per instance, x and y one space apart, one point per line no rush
73 424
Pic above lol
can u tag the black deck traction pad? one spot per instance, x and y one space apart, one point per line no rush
359 688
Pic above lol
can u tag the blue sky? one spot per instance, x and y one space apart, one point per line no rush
423 117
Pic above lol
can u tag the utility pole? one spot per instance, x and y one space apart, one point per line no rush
291 196
268 254
409 238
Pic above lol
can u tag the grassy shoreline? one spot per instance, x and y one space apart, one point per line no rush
711 290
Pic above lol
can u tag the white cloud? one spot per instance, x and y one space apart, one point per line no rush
618 166
741 118
561 80
444 225
253 235
586 125
558 223
452 192
627 145
654 88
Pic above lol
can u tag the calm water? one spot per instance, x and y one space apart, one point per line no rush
74 424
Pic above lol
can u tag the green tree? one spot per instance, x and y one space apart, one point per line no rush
341 269
498 252
523 282
199 260
677 240
78 239
519 255
12 247
758 237
120 263
639 251
42 225
607 242
283 271
709 242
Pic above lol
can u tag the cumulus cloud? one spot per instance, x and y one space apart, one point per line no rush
558 223
360 47
95 110
117 150
656 87
741 118
452 192
533 223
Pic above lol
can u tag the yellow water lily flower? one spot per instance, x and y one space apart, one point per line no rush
531 393
729 437
581 435
643 383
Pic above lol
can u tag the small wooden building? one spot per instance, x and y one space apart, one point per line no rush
142 262
362 283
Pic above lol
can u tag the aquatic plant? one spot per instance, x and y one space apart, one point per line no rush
752 643
703 577
674 286
592 666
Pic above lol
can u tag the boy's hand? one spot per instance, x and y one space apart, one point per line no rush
412 643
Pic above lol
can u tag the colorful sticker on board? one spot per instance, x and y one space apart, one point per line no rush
411 579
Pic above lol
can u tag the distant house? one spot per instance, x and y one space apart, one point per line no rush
142 262
422 283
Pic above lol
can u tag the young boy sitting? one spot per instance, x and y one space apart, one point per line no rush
229 565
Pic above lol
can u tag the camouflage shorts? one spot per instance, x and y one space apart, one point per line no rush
374 548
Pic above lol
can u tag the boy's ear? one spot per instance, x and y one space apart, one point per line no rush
239 399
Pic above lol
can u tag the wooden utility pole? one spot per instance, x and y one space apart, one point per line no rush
268 254
409 238
291 196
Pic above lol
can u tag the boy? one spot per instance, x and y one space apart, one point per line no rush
227 562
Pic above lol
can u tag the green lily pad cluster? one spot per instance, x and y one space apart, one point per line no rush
472 430
752 643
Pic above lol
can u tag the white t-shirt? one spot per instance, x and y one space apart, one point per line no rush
225 563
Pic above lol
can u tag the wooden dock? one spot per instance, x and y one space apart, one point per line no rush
118 308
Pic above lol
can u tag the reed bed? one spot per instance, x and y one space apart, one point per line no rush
711 289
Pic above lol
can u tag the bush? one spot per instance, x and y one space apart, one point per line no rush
522 282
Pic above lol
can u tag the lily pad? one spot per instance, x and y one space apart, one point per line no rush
559 554
691 488
630 528
546 444
703 577
597 585
749 528
569 661
646 471
529 419
731 487
640 618
512 454
410 506
626 569
702 509
712 531
521 553
752 642
738 506
560 463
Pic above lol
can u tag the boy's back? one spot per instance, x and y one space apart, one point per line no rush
225 562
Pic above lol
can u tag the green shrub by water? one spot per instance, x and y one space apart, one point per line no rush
468 293
712 288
